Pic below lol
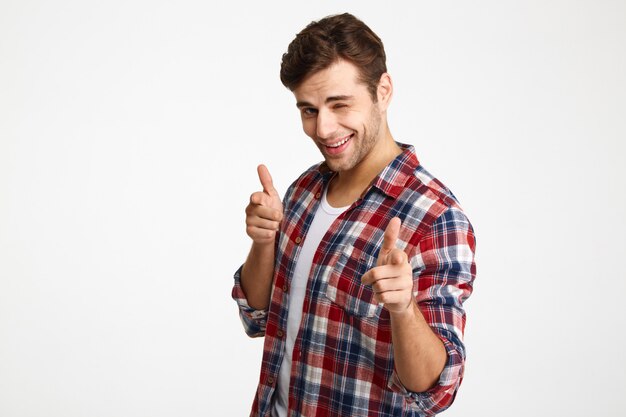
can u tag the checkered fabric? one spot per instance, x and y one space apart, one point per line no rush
343 361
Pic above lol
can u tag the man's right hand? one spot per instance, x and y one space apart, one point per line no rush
265 211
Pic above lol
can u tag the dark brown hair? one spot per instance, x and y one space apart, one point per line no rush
324 42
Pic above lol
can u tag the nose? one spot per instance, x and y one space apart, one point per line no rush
326 124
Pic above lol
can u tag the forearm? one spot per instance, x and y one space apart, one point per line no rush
257 274
419 354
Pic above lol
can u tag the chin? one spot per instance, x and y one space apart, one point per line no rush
339 165
345 163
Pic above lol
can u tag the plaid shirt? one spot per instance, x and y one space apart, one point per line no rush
343 358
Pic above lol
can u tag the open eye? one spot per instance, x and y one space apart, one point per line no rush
308 111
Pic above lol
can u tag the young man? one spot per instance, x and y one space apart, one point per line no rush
357 277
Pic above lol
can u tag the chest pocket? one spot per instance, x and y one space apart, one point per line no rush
344 284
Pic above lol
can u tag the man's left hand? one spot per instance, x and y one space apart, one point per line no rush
392 277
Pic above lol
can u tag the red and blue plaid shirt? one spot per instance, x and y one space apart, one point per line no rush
343 358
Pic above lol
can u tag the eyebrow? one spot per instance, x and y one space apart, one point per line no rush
330 99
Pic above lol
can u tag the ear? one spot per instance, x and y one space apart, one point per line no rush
384 91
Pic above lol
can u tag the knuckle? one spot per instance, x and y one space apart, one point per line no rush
376 274
256 198
372 273
250 208
251 220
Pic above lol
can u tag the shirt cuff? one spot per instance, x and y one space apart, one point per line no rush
441 396
254 321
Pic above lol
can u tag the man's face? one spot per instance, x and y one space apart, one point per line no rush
338 113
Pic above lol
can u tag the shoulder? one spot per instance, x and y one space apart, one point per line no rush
429 201
306 181
424 182
310 175
407 180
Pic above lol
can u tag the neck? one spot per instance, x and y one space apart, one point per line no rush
348 186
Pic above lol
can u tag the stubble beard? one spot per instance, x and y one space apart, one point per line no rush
362 148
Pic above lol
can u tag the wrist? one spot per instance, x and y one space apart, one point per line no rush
263 246
407 313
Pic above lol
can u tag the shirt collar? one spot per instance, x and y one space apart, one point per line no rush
393 177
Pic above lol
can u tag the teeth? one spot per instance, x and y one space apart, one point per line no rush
338 144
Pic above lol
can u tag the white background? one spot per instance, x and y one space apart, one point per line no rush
129 136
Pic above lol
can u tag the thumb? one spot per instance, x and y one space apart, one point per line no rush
397 257
391 235
266 180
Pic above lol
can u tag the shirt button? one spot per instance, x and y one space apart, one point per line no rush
270 380
318 195
298 240
285 287
279 333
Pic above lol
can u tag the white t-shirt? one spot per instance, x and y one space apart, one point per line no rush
324 217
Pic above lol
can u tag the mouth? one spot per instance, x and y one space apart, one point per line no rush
338 146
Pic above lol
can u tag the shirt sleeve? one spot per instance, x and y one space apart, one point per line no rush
445 269
254 321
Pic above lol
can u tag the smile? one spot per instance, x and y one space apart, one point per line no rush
341 142
336 149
